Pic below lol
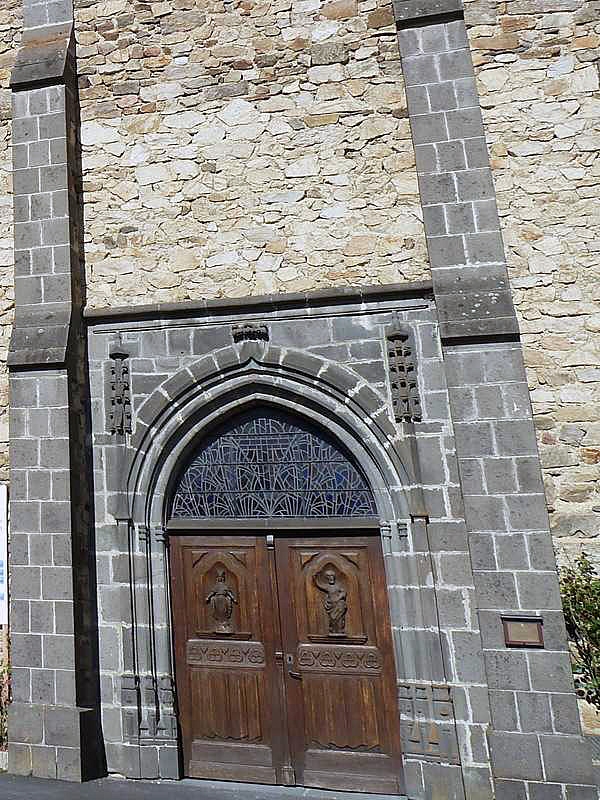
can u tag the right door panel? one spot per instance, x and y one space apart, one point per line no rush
340 683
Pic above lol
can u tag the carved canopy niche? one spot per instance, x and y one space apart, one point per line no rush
265 463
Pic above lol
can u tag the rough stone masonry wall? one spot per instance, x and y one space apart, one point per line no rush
537 66
235 148
242 148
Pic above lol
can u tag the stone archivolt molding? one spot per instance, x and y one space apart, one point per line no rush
177 412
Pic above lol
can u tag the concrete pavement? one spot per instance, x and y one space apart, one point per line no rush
18 788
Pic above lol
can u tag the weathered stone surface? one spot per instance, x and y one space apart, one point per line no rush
329 53
144 105
340 9
382 18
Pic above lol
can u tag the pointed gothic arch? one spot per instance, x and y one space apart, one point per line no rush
270 463
200 397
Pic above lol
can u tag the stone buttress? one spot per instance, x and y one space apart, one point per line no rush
54 719
535 732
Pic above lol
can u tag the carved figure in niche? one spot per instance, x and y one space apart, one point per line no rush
222 600
334 603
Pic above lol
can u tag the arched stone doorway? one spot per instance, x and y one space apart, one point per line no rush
283 649
187 410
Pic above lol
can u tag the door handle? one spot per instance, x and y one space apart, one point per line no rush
289 658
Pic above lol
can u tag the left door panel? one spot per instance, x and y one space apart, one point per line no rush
228 682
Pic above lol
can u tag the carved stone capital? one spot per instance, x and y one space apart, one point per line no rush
143 534
160 535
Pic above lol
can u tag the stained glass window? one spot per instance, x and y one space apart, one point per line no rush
268 464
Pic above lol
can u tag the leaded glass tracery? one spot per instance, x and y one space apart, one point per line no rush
268 464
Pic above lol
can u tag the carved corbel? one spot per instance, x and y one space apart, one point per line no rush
250 340
249 332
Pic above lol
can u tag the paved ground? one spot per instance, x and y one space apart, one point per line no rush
14 788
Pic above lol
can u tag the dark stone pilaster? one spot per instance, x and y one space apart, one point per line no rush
455 182
54 720
509 540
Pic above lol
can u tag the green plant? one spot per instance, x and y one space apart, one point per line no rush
4 701
580 589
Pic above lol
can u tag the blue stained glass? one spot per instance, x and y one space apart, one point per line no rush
268 464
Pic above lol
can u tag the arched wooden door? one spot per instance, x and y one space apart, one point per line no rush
284 658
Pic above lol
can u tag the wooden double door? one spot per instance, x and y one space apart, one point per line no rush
284 661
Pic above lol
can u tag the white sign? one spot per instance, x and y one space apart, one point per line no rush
3 554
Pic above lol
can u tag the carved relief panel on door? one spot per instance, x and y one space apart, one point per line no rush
225 672
336 662
284 660
333 603
222 592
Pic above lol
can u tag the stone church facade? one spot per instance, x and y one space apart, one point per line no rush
265 346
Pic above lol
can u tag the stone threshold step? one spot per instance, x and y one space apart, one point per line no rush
14 787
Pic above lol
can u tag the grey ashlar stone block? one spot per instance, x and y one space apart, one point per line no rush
567 759
405 10
26 723
515 755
